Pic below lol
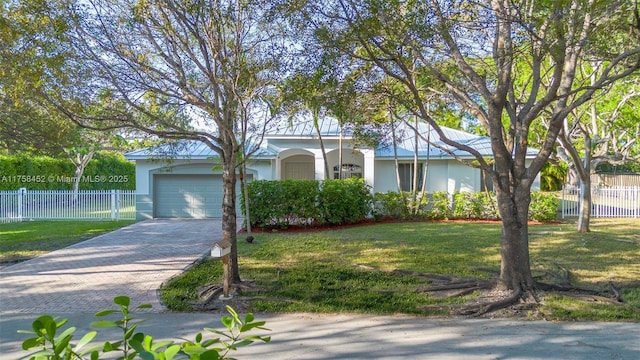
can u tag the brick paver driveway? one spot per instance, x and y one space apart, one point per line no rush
132 261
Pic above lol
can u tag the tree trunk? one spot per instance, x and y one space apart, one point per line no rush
229 226
80 161
395 154
515 269
414 179
585 206
585 188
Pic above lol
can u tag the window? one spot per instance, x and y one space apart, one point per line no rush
348 171
406 176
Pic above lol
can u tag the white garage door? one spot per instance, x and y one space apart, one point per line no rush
187 196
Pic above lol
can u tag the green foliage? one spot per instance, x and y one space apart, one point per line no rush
475 205
344 201
104 172
54 343
279 204
543 207
404 205
552 176
391 204
465 205
440 206
283 203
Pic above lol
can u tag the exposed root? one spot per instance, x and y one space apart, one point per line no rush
493 299
210 296
482 308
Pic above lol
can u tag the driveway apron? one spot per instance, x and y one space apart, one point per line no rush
132 261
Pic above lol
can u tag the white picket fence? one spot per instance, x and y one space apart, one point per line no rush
21 205
606 202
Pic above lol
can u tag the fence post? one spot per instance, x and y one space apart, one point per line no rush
118 204
21 193
562 203
113 204
636 198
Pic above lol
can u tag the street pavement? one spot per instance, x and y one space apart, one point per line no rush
76 282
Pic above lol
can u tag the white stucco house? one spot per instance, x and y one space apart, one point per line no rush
188 185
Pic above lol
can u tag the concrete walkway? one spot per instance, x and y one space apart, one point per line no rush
77 281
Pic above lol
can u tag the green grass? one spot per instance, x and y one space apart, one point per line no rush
317 272
25 240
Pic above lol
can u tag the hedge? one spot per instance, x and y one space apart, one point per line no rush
464 205
104 172
279 204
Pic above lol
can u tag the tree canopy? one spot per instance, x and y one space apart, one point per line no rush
475 50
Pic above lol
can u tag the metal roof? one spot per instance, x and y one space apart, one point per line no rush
330 127
304 128
187 149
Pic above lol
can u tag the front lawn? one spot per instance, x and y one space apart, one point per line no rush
352 270
25 240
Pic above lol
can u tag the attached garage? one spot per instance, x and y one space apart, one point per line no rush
187 196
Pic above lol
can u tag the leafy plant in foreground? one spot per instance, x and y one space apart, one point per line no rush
54 343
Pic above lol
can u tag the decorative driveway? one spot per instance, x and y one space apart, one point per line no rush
132 261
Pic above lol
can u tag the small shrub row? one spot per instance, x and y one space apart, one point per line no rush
308 202
464 205
104 172
402 205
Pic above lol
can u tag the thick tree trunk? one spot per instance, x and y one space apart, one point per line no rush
515 269
229 226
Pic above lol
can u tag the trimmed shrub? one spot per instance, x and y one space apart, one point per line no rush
465 205
279 204
440 208
475 205
283 203
543 207
344 201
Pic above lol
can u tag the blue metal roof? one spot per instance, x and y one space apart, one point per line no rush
330 127
304 128
187 149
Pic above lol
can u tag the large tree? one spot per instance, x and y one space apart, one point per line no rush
473 49
197 69
605 130
33 54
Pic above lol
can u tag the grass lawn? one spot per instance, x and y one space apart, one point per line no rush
25 240
330 271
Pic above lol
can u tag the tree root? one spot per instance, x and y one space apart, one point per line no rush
494 299
209 296
480 309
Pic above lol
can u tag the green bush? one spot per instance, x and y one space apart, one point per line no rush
401 205
475 205
465 205
344 201
390 204
279 204
440 208
283 203
543 207
104 172
52 342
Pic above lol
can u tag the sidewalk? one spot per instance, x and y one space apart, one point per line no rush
77 281
313 336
